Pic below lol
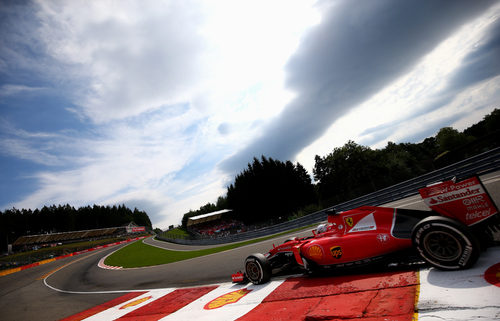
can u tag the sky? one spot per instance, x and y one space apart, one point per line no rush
159 104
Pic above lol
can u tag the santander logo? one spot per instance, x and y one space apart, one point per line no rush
455 195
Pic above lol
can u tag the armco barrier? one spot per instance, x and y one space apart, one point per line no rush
28 266
477 165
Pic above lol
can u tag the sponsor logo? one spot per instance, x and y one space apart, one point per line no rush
465 257
456 195
478 214
473 200
476 203
364 228
437 190
336 252
367 223
135 302
349 221
238 277
382 238
468 183
492 275
315 252
418 235
226 299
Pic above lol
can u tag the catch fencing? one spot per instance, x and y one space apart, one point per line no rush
481 164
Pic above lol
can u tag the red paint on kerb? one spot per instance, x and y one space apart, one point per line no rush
90 312
492 275
167 304
370 297
303 287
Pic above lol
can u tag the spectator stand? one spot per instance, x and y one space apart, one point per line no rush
30 242
214 224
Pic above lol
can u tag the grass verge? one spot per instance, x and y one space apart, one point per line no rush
139 254
28 257
176 233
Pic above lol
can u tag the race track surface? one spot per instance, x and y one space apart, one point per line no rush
69 286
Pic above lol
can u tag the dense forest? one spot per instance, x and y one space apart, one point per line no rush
270 187
271 190
64 218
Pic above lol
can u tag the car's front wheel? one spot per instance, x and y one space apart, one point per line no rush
257 268
445 243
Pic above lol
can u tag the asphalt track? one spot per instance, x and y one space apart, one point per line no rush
65 287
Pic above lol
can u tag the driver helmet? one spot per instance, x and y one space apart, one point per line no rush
321 228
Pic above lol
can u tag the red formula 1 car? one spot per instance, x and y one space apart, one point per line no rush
449 237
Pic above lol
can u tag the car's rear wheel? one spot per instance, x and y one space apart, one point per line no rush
257 268
445 243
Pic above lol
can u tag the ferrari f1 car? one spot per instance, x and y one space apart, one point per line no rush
450 236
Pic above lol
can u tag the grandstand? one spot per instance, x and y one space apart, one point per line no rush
206 218
217 223
74 236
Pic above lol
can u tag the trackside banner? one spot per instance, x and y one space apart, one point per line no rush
466 200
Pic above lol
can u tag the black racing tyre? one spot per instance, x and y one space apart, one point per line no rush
257 268
445 243
289 239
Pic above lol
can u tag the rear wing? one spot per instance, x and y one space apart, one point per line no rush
468 200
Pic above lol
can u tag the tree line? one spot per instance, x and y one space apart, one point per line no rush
64 218
272 190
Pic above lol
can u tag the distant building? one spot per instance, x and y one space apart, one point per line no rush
134 228
42 240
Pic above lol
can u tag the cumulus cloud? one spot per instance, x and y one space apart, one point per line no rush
160 90
357 50
135 162
134 56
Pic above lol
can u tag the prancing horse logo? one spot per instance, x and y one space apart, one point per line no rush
349 221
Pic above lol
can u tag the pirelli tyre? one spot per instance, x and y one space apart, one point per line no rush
445 243
257 268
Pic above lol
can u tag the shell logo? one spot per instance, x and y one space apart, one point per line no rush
228 298
315 252
492 274
136 302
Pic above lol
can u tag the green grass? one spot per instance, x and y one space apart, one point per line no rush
28 257
139 254
176 232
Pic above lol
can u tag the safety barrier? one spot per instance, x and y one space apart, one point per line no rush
28 266
477 165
